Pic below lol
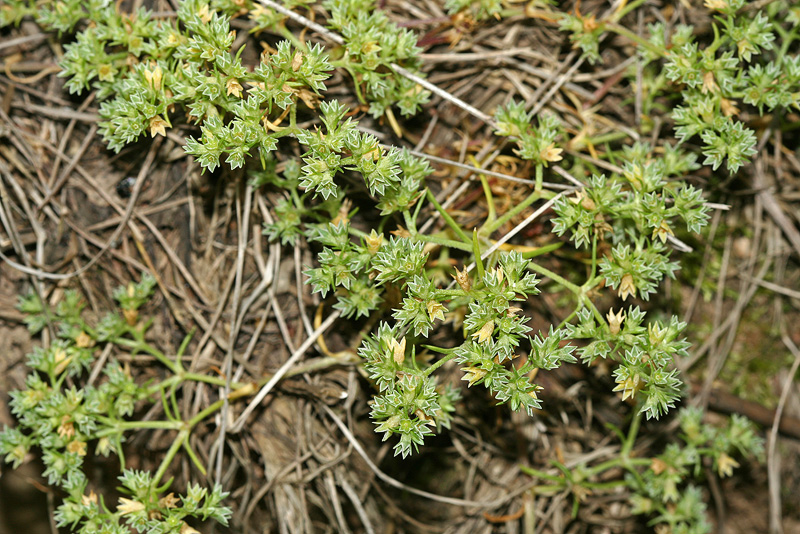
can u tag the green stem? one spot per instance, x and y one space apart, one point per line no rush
539 177
625 32
544 271
627 446
182 436
447 218
444 242
487 191
438 364
489 229
546 249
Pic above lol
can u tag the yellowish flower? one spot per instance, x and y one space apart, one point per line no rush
626 286
551 153
485 332
399 351
725 465
86 500
84 341
435 310
158 126
472 375
629 387
66 429
728 107
186 529
204 14
168 501
129 506
709 84
374 241
77 447
462 277
716 5
658 466
662 231
615 320
234 87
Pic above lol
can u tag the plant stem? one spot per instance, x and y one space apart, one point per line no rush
447 218
438 364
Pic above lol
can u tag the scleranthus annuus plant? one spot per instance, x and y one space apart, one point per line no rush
152 75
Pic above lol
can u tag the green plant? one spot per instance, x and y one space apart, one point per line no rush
740 65
62 415
150 73
661 487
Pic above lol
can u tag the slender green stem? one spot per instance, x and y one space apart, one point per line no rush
476 251
182 436
444 242
625 32
487 191
540 251
627 9
627 446
447 218
438 364
488 229
544 271
540 474
539 172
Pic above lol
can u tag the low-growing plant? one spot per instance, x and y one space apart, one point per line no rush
64 416
152 73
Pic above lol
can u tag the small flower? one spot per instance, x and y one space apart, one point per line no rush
204 14
584 200
373 242
105 72
297 61
154 77
662 231
709 84
626 286
158 126
473 375
66 429
717 5
168 501
725 465
398 351
77 447
655 334
551 153
88 500
61 360
615 320
234 88
485 332
128 506
658 466
728 107
435 310
131 316
629 387
84 341
462 277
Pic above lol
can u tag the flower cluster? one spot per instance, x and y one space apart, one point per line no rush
64 418
662 489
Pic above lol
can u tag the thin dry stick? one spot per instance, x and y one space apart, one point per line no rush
137 188
773 459
397 484
237 426
514 231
